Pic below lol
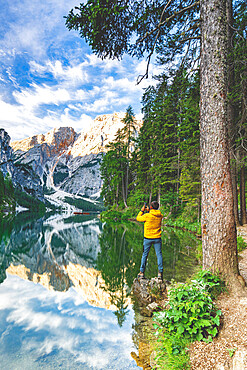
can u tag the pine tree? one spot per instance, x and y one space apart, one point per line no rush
1 188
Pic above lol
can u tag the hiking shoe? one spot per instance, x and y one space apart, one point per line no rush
160 275
140 275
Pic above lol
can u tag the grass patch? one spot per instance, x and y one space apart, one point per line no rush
172 353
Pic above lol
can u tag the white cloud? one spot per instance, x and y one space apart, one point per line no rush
32 97
72 74
50 321
48 76
20 121
33 24
123 84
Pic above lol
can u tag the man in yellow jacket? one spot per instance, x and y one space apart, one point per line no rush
152 236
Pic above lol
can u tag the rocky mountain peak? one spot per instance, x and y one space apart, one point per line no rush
58 138
94 140
63 161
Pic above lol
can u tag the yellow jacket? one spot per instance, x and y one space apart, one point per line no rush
152 223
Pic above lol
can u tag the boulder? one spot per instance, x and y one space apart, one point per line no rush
150 294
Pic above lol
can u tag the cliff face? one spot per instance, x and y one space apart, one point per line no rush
23 177
101 133
66 161
6 153
57 140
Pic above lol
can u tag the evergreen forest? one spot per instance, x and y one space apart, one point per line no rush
162 161
10 196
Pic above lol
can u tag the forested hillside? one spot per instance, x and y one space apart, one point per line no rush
7 200
163 161
10 196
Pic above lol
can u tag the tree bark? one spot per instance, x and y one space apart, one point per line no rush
117 190
242 195
123 191
235 190
158 196
231 109
219 239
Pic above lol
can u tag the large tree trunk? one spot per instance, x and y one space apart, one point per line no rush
234 189
231 110
242 194
219 240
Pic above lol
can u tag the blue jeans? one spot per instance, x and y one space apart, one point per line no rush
147 243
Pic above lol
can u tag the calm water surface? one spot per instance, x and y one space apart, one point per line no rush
65 284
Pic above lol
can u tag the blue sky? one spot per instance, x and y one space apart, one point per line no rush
49 77
51 328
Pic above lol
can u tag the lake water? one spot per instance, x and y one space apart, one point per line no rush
65 284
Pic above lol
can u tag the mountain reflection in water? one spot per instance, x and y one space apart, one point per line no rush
79 315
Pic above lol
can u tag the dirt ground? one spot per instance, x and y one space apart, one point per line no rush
229 350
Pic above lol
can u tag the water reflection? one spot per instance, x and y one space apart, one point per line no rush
46 329
84 270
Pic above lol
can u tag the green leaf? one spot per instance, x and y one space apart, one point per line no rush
180 329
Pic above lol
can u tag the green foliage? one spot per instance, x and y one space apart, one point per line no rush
7 199
27 201
115 166
241 244
113 214
213 283
136 198
182 224
199 254
1 186
84 204
191 212
192 314
113 28
172 353
232 351
166 149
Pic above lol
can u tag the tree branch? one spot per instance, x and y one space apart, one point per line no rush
140 77
167 19
190 38
9 160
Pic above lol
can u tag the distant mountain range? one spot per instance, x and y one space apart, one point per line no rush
61 165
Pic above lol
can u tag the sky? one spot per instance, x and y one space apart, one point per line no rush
50 78
59 330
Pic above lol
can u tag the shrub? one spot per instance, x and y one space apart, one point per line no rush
213 283
192 314
241 244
